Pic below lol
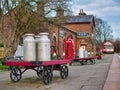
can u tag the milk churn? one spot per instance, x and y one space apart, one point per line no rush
44 47
81 52
86 54
29 47
37 37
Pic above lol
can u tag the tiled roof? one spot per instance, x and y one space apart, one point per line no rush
79 19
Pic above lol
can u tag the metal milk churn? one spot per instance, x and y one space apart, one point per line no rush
81 52
44 47
37 37
86 54
29 47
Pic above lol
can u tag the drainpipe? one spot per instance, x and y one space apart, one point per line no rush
58 39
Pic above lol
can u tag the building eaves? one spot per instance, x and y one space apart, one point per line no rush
69 29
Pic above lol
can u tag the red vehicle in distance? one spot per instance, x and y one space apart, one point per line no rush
107 47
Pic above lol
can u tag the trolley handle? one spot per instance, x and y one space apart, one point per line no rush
8 58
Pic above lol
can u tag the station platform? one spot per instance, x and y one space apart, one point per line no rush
113 78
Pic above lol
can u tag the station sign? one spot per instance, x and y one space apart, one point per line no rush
83 35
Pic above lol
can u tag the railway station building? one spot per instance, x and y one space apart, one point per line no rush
81 28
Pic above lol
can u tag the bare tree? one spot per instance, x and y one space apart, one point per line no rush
103 31
22 16
1 19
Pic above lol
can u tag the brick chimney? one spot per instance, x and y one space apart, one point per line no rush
40 7
82 12
60 12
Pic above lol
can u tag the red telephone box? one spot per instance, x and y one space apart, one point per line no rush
69 49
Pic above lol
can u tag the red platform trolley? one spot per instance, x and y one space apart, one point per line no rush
43 69
70 54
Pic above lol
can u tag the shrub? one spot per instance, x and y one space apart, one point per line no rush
1 45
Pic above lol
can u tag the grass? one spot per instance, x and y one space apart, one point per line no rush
2 67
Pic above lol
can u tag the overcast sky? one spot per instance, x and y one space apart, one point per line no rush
108 10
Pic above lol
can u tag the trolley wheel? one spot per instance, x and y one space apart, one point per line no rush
64 71
93 61
84 62
47 75
81 62
15 74
39 71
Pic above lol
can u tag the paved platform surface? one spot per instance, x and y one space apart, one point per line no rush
113 79
81 77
